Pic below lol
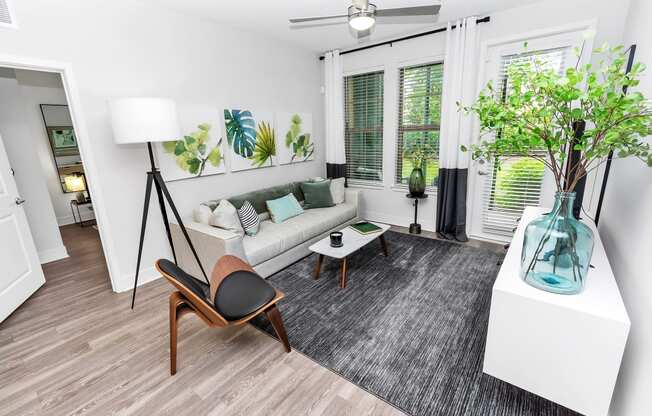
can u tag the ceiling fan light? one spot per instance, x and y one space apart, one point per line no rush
362 19
360 23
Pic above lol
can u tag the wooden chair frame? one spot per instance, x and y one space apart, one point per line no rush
184 301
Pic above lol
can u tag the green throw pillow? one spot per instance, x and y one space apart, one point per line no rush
317 194
281 209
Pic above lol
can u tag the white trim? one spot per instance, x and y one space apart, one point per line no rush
65 220
432 59
12 16
146 275
366 70
364 185
53 254
481 83
83 139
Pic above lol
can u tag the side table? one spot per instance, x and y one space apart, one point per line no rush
74 206
415 227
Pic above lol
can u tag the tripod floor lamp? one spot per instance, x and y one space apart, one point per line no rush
147 120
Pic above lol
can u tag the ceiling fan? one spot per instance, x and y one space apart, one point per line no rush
362 15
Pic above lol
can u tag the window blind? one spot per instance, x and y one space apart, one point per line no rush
363 129
518 183
419 114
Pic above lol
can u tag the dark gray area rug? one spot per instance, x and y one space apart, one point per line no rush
409 328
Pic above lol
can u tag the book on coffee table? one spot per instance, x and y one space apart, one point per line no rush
365 227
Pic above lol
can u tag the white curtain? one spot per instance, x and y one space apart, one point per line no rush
456 128
459 86
334 108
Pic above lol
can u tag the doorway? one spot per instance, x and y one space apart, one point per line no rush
47 207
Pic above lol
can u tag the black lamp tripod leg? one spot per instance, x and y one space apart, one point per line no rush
159 179
164 214
148 192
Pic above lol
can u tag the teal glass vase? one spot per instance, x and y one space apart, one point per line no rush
557 249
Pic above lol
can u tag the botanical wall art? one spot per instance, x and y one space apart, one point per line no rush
295 131
198 153
251 137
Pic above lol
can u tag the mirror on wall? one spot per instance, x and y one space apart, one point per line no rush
63 142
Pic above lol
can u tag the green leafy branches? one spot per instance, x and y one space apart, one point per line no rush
419 153
265 145
192 152
300 144
534 113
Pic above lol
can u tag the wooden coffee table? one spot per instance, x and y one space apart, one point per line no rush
352 242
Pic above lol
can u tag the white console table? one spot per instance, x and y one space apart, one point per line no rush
565 348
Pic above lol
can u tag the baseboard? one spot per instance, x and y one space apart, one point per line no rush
67 220
53 254
402 221
146 275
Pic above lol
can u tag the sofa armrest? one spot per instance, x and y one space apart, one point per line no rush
352 197
211 243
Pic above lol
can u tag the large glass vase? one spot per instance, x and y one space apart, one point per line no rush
557 249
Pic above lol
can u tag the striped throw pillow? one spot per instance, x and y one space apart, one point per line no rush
249 218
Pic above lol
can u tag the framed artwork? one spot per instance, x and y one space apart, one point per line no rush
295 130
251 138
62 140
199 152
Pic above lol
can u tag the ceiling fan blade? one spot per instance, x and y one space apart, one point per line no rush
407 20
409 11
311 19
314 25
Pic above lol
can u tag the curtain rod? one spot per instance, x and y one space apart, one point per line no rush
416 35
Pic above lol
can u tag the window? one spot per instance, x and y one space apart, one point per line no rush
518 182
363 128
419 113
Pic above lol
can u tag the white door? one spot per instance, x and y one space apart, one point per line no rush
499 196
20 270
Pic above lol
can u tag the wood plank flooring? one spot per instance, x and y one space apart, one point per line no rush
76 348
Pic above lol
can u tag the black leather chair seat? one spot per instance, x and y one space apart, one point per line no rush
242 293
198 287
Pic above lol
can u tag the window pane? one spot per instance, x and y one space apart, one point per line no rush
518 182
419 116
363 132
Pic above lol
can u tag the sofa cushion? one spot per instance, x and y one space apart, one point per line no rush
284 208
249 219
260 197
274 239
317 194
226 216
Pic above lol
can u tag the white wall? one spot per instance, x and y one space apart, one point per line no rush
626 230
389 203
122 48
24 151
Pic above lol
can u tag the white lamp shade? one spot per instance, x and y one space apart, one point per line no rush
138 120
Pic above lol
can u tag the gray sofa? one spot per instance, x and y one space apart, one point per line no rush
276 245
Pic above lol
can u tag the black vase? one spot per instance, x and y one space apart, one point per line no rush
417 182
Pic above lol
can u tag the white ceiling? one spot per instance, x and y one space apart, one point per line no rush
270 17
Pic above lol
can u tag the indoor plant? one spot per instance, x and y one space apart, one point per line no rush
536 117
419 154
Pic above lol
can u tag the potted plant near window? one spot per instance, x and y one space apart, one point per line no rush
537 116
419 154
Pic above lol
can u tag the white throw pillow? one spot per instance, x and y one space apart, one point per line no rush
226 216
337 190
202 214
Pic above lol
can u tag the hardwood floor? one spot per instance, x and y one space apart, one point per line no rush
76 348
